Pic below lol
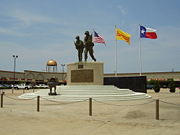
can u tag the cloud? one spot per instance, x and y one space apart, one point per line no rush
25 23
123 11
11 31
32 58
28 18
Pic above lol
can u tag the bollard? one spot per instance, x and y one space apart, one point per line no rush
90 106
23 90
2 91
38 103
12 90
2 99
157 109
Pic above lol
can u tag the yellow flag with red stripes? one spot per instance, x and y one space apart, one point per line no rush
121 35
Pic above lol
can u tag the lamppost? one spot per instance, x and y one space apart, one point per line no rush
15 57
62 65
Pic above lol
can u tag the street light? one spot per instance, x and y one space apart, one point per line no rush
15 57
63 65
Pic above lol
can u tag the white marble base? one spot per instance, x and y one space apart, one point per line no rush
79 93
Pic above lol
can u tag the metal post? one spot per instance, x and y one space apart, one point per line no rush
13 90
15 57
2 99
157 109
38 103
90 106
62 71
140 56
116 53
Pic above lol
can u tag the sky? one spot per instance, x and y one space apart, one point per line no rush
41 30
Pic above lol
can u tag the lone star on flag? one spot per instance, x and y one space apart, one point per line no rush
142 31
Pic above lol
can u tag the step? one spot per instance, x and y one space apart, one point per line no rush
80 93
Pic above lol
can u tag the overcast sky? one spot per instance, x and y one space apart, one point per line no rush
40 30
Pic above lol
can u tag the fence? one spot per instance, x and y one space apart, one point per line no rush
23 90
38 105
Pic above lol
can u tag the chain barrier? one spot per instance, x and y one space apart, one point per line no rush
169 103
60 102
125 105
19 99
153 100
169 97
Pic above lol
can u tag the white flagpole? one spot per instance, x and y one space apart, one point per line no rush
140 55
115 55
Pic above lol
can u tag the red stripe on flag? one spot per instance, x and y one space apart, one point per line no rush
151 35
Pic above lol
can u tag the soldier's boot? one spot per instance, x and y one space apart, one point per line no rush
92 56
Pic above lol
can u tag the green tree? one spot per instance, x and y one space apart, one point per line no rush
172 86
156 86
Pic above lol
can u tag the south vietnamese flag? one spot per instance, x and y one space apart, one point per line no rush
147 33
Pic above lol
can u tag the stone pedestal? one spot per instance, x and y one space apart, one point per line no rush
85 73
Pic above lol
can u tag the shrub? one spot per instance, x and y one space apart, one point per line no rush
172 86
156 86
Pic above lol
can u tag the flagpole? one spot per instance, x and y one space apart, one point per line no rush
115 55
140 55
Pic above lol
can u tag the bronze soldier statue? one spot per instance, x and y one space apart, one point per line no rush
88 46
79 46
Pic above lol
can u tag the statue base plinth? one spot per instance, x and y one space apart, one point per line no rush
85 73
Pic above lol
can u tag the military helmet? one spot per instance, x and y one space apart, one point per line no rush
87 33
77 37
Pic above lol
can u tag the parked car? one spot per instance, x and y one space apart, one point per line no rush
1 86
150 86
41 86
165 86
5 86
22 86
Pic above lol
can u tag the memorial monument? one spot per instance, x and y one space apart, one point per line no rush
85 73
85 80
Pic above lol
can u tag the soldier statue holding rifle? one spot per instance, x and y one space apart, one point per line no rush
80 47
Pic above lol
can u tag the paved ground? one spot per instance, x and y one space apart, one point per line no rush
20 117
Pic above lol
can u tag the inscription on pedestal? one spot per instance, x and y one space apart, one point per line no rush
78 76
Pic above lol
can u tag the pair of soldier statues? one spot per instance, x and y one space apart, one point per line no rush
86 46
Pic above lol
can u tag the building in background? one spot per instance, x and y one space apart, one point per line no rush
43 77
51 66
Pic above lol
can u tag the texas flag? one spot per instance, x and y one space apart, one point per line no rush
147 33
